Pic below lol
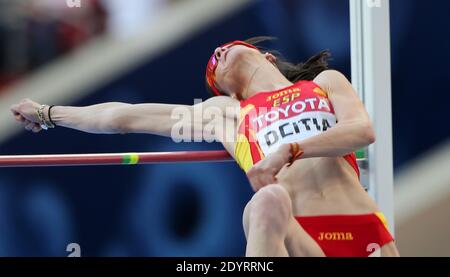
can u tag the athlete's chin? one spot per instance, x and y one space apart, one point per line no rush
239 57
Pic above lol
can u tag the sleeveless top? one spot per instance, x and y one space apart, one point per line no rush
292 114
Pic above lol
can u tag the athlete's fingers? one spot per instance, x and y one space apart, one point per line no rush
267 179
259 183
253 177
29 126
15 109
37 128
25 122
254 181
19 118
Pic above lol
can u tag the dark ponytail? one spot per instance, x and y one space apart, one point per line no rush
295 72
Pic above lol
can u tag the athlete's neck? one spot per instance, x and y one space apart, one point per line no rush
265 78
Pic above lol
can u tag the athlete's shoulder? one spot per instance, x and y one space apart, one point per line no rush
332 80
226 104
221 101
329 75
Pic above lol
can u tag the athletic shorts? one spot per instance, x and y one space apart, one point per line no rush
347 235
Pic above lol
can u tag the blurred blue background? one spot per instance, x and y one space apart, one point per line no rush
195 209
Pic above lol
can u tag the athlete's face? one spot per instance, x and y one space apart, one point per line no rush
222 60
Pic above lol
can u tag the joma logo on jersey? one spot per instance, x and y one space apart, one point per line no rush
335 236
275 96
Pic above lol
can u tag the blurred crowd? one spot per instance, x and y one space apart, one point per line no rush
35 32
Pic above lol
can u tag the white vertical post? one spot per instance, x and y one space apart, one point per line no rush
371 76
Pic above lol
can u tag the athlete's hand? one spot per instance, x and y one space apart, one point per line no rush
25 112
264 172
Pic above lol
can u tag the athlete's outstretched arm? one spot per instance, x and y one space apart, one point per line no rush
120 118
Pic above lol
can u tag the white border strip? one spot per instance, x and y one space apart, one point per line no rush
371 73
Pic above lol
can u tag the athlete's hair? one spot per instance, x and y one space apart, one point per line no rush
293 72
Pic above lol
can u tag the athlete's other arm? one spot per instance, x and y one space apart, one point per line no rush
122 118
353 129
352 132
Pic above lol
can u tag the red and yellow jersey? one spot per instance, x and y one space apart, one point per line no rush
270 119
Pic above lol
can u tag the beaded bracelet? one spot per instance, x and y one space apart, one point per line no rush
45 125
